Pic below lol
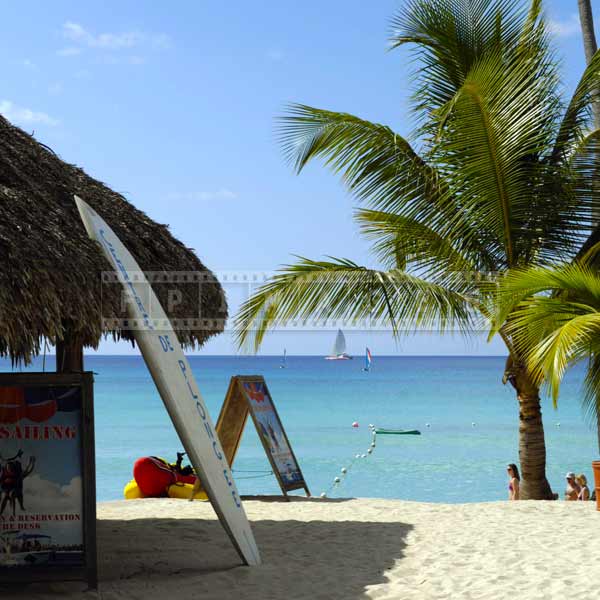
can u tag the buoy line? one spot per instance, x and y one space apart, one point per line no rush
262 473
345 470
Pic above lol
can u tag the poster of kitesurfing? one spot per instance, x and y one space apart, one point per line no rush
271 432
40 477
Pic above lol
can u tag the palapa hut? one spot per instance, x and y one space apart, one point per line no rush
50 278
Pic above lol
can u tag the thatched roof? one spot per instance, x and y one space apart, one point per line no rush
50 273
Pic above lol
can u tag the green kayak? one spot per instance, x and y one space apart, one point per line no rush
397 431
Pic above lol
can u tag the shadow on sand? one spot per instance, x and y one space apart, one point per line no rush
193 558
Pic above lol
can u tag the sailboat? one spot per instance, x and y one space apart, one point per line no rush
283 364
339 348
368 359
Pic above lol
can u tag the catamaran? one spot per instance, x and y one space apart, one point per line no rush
339 348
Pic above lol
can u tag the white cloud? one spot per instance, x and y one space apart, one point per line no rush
220 194
566 27
82 37
29 64
25 116
40 493
69 51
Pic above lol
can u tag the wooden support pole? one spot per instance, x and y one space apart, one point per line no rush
69 355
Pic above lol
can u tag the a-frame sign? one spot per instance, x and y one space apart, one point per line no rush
248 394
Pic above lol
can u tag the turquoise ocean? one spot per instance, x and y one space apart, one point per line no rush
460 457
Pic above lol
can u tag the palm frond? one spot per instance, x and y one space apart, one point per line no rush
567 344
571 280
401 242
490 151
591 397
450 37
340 289
584 168
553 318
379 166
577 117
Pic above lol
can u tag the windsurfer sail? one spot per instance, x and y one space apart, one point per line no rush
368 360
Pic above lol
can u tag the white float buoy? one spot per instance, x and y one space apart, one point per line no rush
344 470
363 456
355 424
357 456
370 451
427 425
373 445
336 480
323 495
558 424
473 424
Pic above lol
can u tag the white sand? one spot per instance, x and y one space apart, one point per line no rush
354 549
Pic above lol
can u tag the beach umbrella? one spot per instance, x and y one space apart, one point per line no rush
56 285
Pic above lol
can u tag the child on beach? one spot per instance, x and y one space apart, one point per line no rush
573 488
584 490
513 481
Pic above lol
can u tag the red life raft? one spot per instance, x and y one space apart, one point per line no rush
155 477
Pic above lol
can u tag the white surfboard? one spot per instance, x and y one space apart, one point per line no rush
175 382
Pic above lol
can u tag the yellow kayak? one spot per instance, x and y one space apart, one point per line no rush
177 490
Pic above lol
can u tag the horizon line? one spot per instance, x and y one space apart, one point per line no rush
97 355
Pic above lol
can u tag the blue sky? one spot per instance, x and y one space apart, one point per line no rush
174 106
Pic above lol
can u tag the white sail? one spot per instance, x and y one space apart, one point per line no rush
339 347
176 384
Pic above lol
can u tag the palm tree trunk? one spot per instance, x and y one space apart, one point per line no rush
69 354
532 444
589 44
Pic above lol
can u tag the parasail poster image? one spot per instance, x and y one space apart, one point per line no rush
41 500
271 432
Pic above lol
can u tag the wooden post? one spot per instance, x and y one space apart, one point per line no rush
69 355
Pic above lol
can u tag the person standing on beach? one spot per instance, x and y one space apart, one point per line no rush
573 488
513 481
584 490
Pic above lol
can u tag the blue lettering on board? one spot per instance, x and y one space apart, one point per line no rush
165 342
127 280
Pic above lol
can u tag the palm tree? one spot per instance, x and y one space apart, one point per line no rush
590 47
553 314
497 176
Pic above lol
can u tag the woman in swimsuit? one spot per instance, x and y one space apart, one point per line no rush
584 490
513 481
573 488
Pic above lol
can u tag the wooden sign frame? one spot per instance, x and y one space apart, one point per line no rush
232 421
88 571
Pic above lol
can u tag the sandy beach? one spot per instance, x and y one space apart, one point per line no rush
352 549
